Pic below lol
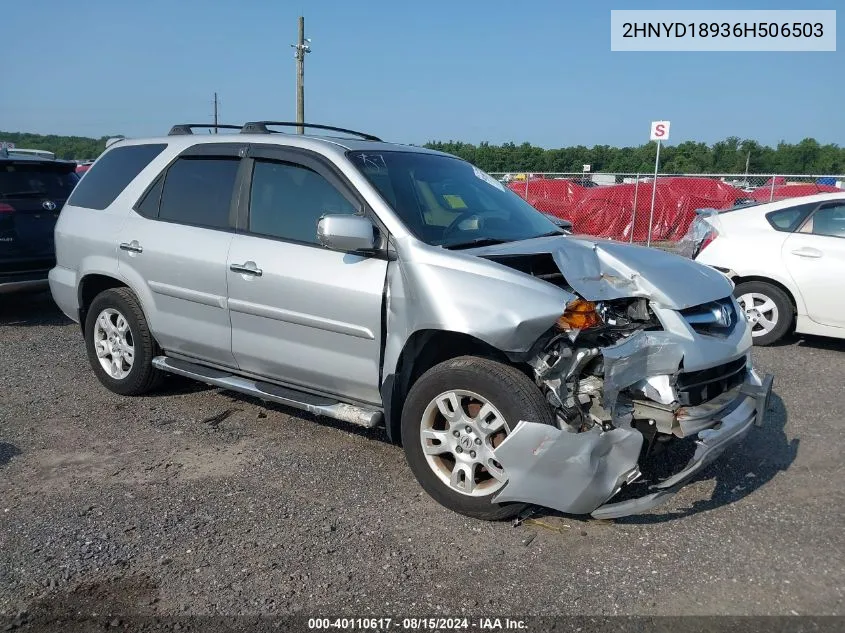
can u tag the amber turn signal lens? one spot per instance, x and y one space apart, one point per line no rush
579 315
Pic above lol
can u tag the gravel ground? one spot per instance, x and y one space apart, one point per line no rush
198 502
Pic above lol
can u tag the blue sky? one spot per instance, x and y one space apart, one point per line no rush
468 70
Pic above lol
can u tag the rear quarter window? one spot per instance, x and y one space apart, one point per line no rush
112 173
789 219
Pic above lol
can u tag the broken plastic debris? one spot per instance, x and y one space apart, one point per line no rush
548 526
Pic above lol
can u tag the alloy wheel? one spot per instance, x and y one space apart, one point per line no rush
459 431
760 311
113 343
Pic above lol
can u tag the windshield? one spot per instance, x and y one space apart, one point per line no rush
448 202
36 180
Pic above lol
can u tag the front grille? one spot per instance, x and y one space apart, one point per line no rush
716 318
697 387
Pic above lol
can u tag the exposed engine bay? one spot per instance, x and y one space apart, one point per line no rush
591 377
570 368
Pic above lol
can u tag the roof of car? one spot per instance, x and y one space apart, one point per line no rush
790 202
304 141
743 212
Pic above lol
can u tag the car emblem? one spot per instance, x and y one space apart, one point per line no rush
49 205
725 316
466 442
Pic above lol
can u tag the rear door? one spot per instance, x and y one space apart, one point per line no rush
32 193
815 258
174 246
302 314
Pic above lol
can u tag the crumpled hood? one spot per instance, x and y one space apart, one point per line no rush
602 269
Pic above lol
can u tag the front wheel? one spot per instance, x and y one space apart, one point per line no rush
768 310
455 416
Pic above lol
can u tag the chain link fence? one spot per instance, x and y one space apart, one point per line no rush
630 207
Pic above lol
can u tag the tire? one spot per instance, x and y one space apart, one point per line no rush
121 308
772 315
511 395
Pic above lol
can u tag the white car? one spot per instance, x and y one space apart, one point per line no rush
787 260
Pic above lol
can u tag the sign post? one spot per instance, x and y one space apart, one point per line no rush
659 132
586 170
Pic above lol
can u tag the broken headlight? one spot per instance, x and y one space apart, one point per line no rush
579 315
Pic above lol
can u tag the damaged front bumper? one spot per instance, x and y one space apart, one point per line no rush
735 423
580 472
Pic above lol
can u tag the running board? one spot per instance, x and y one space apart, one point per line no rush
317 405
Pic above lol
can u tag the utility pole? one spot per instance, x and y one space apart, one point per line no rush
215 113
300 48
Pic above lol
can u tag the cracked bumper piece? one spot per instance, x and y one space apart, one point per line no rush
735 424
578 472
567 471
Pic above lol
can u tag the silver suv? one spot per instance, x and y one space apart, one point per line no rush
383 284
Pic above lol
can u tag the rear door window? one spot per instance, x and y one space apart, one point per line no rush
198 191
112 173
828 220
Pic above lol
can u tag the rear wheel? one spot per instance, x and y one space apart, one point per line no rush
768 310
119 343
455 416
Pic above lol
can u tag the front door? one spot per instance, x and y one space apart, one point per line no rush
302 314
815 257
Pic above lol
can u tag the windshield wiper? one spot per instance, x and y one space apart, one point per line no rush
479 241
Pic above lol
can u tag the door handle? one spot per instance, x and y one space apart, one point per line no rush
132 247
247 268
807 252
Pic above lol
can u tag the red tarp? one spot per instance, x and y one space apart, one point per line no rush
779 180
548 194
764 194
607 211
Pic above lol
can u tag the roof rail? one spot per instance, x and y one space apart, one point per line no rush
260 127
185 128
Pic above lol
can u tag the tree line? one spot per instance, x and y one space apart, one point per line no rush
689 157
69 147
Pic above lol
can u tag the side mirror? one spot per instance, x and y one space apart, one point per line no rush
349 233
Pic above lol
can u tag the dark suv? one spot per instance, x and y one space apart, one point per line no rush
32 192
